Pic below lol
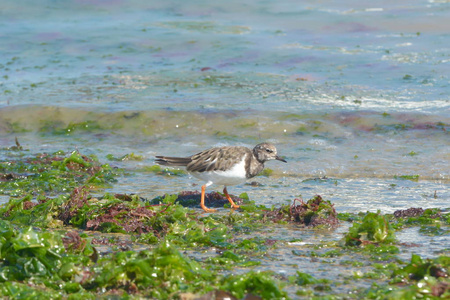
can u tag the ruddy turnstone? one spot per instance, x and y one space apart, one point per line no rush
229 165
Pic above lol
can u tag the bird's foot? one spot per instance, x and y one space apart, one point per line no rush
209 210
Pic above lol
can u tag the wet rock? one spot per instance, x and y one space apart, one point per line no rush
213 199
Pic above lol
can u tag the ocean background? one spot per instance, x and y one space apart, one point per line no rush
355 94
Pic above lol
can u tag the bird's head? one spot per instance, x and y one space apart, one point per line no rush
266 151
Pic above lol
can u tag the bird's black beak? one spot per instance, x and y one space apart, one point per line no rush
280 159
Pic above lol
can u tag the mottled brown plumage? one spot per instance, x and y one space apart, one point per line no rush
224 165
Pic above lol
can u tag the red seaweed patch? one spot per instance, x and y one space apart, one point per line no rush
314 212
109 214
130 219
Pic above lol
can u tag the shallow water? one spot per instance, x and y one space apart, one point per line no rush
284 55
354 94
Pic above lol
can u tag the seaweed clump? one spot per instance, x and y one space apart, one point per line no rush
315 212
424 276
51 265
53 174
373 229
113 215
410 212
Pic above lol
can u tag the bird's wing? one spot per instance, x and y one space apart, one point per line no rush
214 159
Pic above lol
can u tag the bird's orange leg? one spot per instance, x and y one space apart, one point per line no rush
202 201
233 205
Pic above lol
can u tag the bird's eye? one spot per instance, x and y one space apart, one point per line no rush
269 151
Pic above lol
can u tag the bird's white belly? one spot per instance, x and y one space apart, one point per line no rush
233 176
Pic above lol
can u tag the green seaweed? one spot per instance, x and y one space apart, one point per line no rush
37 256
151 270
387 128
43 213
430 220
304 279
42 258
229 259
407 177
52 174
412 153
125 157
58 128
426 278
258 283
76 243
373 228
266 172
164 171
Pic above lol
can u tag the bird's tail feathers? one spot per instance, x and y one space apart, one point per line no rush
172 161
